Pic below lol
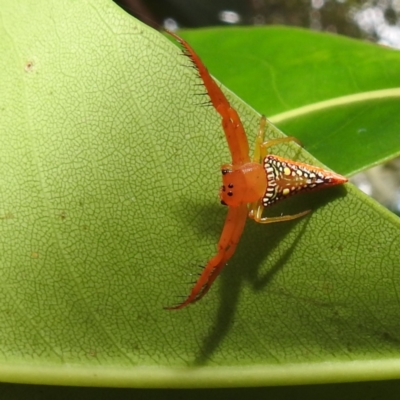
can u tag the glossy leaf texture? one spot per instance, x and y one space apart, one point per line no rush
109 178
340 96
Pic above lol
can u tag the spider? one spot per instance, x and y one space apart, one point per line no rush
249 184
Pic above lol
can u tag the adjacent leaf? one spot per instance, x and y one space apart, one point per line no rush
338 95
109 176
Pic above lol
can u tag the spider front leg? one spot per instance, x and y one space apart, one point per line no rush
230 236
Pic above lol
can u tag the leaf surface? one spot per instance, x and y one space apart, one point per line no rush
109 177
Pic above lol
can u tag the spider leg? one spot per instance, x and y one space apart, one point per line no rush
260 152
256 210
231 123
261 145
230 236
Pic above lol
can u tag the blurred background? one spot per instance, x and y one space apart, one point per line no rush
372 20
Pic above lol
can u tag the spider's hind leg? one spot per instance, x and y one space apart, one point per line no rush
256 211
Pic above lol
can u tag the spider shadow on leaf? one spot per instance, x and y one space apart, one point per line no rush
257 243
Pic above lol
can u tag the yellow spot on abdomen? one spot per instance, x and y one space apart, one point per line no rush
286 171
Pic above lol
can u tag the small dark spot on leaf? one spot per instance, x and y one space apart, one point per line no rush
29 66
92 353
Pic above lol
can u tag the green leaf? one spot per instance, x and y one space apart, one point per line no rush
109 177
338 95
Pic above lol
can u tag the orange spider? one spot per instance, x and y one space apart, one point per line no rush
249 185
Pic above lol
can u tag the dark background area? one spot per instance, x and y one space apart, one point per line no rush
376 20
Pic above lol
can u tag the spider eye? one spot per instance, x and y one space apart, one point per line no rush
223 203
